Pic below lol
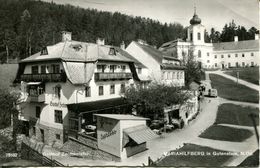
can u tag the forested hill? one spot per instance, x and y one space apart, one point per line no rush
26 26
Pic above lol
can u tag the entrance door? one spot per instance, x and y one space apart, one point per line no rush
223 66
42 135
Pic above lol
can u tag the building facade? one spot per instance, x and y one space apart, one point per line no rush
213 55
70 77
161 68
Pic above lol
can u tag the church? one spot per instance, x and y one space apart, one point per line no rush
213 55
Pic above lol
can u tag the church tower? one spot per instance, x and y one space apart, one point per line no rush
196 30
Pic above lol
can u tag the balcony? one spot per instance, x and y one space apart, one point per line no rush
112 76
37 99
50 77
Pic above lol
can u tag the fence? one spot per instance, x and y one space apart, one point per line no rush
30 154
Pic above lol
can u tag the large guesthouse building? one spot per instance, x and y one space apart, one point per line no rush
63 85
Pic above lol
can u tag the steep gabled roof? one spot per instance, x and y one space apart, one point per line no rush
79 52
155 53
239 45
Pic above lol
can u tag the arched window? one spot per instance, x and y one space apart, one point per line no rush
199 53
199 36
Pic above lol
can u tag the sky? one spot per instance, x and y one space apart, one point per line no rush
213 13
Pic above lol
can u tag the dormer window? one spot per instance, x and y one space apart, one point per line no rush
44 51
76 47
112 51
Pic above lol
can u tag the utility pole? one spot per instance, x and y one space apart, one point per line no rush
253 116
237 76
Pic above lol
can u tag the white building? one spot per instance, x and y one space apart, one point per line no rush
71 77
213 55
162 68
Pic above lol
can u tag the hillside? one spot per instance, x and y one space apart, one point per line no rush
7 75
26 26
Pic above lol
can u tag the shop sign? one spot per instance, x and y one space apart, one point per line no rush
57 104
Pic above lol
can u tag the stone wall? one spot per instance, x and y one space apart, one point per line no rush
49 134
76 148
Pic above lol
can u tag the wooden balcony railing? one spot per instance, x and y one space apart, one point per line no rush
112 76
50 77
40 98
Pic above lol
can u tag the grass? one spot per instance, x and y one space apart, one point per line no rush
235 114
231 90
250 74
194 160
251 161
223 133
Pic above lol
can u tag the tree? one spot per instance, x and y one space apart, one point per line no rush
193 68
150 102
8 111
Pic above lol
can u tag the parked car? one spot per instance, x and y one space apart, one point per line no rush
213 93
156 124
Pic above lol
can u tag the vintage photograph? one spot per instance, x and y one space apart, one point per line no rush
131 83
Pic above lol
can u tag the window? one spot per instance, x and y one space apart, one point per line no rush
100 90
139 70
35 69
177 75
55 68
191 38
112 68
207 54
243 55
38 112
112 51
173 75
198 36
122 88
252 54
237 65
208 61
229 64
112 89
43 69
216 56
199 53
87 91
222 56
58 136
58 116
57 91
44 51
123 68
216 64
252 63
235 55
101 68
228 55
243 64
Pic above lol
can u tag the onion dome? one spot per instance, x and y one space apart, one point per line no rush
195 19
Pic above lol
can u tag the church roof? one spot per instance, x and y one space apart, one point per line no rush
238 45
195 19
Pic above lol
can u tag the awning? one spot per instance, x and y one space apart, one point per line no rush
33 83
140 133
96 105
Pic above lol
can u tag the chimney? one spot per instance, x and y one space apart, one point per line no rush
256 36
100 41
122 45
235 38
66 36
